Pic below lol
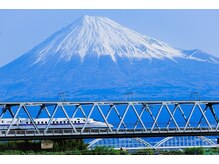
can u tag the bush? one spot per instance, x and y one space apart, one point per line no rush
74 152
20 145
102 150
145 152
68 145
13 152
195 151
212 151
30 152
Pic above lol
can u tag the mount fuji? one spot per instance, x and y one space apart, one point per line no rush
95 58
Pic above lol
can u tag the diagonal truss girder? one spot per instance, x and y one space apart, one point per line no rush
138 108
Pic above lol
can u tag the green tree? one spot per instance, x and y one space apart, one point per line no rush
195 151
145 152
69 144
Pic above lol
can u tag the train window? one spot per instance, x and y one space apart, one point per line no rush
26 122
2 121
60 122
20 121
38 122
75 122
45 122
57 122
53 122
41 122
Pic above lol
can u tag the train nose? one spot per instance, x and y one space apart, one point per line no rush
110 125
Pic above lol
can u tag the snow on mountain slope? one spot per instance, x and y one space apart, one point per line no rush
200 56
102 36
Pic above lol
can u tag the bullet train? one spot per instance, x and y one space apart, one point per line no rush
56 123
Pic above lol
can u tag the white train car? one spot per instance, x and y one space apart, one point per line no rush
56 123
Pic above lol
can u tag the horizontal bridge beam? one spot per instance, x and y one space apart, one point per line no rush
108 135
105 102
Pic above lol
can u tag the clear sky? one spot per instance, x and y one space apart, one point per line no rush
21 30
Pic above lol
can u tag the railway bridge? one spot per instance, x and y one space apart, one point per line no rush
128 119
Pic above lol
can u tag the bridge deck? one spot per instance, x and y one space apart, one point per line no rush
69 133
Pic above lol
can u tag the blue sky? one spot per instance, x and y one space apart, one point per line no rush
21 30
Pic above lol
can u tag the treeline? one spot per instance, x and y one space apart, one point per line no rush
186 151
20 146
96 151
60 147
29 145
78 147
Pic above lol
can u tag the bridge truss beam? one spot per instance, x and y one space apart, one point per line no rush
130 119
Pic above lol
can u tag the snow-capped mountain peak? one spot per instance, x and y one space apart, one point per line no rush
77 60
93 35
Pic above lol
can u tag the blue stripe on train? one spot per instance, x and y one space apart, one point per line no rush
39 124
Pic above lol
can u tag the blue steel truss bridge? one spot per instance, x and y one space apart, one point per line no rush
121 119
177 142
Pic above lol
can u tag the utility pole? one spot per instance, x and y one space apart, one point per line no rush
61 96
194 96
129 96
